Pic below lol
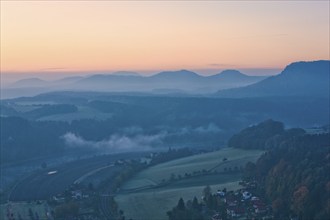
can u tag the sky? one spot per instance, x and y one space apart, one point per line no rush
258 37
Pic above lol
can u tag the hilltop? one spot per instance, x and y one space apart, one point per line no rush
297 79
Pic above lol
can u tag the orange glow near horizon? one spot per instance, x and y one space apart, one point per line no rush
107 35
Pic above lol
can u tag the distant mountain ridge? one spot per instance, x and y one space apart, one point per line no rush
30 82
297 79
184 80
231 76
181 74
229 73
181 81
125 73
69 79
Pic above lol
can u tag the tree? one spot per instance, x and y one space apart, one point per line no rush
250 171
19 217
195 204
173 177
207 192
91 186
44 165
278 206
121 215
67 210
299 199
31 214
181 205
37 216
179 212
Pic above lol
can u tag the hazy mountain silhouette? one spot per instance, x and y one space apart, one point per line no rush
30 82
232 76
297 79
125 73
109 82
70 79
181 81
175 76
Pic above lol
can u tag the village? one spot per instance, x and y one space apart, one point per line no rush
243 203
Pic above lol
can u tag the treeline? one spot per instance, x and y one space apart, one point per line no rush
199 210
39 112
171 154
293 174
191 210
47 110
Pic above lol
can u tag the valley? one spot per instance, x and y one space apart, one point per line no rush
151 155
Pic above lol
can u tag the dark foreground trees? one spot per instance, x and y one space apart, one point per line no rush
294 174
183 211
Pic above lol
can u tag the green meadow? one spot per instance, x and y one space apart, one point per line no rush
145 196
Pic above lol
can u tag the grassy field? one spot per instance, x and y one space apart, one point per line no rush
36 103
153 203
25 108
22 209
214 160
84 112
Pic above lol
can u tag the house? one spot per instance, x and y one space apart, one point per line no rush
230 200
235 211
119 162
77 194
254 198
259 206
221 193
246 195
216 217
59 198
260 209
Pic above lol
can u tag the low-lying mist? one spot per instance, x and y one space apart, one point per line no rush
135 138
115 143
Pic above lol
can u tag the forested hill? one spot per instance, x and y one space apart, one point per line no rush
293 174
306 79
263 136
295 177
